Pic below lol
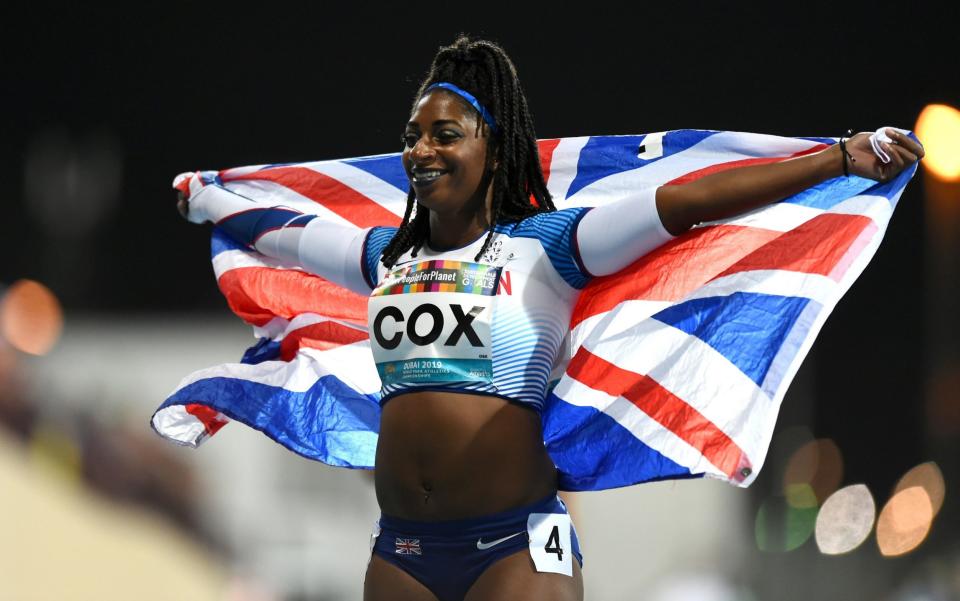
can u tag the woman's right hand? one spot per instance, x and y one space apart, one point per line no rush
189 184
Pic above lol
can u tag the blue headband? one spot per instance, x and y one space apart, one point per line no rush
469 98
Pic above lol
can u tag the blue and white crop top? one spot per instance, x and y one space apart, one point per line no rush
441 320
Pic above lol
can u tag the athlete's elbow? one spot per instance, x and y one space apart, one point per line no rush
676 206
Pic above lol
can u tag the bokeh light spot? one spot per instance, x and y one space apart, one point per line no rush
845 520
904 522
30 317
782 527
938 128
801 496
928 477
816 468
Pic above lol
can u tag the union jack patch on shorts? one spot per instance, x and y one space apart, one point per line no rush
408 546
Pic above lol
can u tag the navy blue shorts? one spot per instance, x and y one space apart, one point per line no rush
448 556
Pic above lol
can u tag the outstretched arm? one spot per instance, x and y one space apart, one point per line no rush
330 250
612 236
738 191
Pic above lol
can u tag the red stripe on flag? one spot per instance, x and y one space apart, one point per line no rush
546 148
669 410
322 336
210 418
258 294
822 245
673 270
816 246
693 175
331 193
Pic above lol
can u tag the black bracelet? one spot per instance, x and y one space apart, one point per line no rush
846 155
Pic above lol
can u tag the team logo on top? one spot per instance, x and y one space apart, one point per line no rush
492 254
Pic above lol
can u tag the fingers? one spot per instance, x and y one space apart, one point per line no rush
182 206
896 164
907 155
900 159
894 150
906 142
181 184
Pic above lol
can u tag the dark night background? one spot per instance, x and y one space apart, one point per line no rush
178 88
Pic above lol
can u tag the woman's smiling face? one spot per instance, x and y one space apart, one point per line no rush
445 155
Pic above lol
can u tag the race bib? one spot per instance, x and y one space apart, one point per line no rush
430 323
550 546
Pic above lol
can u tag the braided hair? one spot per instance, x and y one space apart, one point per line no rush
484 69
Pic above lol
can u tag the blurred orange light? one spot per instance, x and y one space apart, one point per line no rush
928 477
8 364
813 472
904 522
938 128
30 317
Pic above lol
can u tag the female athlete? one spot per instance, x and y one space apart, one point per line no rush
467 491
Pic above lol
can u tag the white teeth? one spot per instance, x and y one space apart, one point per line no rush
427 175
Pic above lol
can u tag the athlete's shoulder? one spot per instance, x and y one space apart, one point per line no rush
548 225
556 233
374 244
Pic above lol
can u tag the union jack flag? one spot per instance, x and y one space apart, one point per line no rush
408 546
677 365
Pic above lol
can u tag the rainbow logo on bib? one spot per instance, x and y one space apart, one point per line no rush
441 276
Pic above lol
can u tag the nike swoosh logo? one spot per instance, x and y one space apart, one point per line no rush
483 546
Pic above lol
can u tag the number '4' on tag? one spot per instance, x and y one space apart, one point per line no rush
550 542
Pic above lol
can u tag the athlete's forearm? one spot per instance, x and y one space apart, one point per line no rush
736 191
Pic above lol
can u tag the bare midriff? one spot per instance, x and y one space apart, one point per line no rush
447 456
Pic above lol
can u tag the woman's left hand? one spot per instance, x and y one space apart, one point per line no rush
863 161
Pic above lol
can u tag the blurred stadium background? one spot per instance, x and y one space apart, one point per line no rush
107 299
